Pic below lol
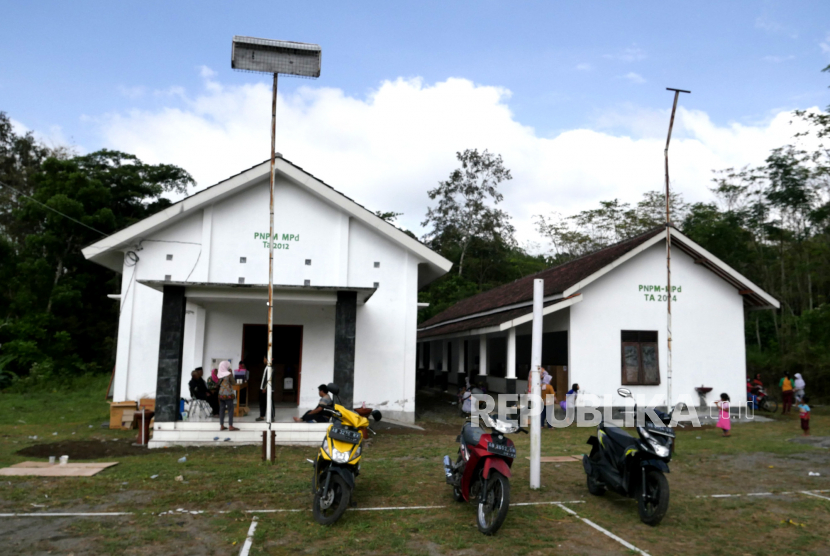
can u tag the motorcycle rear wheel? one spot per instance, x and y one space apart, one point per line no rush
337 499
768 404
491 513
653 507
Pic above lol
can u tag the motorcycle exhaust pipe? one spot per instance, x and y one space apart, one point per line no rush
447 466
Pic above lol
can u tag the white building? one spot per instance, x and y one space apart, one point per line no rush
194 292
605 325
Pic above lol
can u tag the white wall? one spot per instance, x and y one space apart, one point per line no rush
386 324
708 329
206 247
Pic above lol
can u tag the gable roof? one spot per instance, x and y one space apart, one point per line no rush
509 301
107 251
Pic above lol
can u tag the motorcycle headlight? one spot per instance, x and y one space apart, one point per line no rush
338 456
504 427
326 447
655 445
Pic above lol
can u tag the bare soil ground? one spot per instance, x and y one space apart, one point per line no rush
84 449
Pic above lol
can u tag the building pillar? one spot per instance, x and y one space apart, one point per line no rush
482 355
510 377
462 357
171 350
345 325
445 364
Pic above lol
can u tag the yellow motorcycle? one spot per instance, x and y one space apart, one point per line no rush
338 462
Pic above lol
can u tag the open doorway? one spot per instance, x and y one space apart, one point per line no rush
287 355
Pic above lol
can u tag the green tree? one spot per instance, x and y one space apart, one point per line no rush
614 221
464 212
57 318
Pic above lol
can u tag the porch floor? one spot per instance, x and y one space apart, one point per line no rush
207 433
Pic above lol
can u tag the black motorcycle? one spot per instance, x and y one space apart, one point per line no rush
631 467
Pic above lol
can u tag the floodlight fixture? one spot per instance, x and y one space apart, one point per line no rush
297 59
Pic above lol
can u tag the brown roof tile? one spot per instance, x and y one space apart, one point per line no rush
557 279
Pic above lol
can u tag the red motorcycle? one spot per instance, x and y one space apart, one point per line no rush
481 474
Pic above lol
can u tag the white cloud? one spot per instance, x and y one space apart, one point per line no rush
825 45
387 149
633 77
773 26
584 67
777 59
54 138
632 54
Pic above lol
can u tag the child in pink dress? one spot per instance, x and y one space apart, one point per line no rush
723 421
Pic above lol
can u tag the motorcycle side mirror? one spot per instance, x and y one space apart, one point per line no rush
624 392
376 415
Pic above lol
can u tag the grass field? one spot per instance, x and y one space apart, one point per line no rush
403 470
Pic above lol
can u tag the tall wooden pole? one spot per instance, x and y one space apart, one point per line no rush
668 255
269 368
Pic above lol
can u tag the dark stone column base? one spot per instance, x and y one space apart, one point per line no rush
171 347
345 326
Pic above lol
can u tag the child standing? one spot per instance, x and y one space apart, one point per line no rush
804 411
724 423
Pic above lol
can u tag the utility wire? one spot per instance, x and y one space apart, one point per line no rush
50 208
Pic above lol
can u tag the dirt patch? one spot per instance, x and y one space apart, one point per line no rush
84 449
818 441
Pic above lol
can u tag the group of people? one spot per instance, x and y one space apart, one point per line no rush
217 391
792 394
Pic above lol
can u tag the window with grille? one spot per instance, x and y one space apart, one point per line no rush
640 362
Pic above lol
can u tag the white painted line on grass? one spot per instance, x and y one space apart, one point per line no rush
547 503
48 514
273 511
808 493
605 532
249 540
388 508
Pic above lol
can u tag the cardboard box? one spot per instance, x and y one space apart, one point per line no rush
117 410
128 420
147 403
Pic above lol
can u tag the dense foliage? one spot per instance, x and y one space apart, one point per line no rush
56 318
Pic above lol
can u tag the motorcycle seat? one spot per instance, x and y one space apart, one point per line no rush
471 434
620 436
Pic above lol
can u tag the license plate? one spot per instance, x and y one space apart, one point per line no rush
501 450
665 430
343 435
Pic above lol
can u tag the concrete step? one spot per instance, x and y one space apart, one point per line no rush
205 433
241 425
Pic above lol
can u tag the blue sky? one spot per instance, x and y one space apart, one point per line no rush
74 72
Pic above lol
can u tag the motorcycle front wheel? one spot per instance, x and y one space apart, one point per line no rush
328 509
493 510
654 505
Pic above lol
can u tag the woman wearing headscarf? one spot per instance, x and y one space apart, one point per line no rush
213 391
227 395
798 388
